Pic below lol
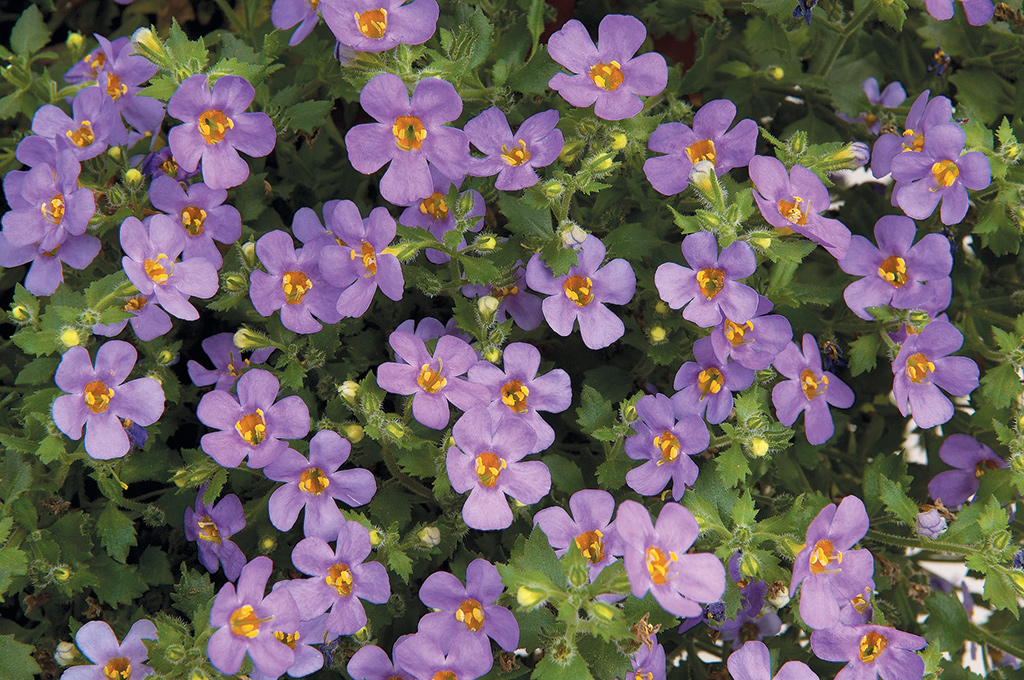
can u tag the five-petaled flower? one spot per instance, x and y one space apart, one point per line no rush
210 526
809 390
512 158
112 660
871 651
379 25
589 530
665 446
972 460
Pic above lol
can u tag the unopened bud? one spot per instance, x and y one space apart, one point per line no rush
65 653
487 306
629 413
249 254
776 73
396 430
348 390
69 337
149 46
492 354
570 151
661 307
861 154
354 433
553 188
778 594
114 152
619 141
919 319
166 357
376 538
174 653
267 544
604 611
466 203
1001 540
247 339
758 447
198 674
429 536
749 566
20 313
132 177
798 142
363 634
1017 462
485 242
61 573
115 195
603 163
701 176
931 524
762 242
234 282
658 334
529 597
75 41
572 235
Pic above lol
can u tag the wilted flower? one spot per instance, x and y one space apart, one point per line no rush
892 96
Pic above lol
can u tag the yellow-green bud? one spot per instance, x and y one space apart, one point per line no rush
268 543
629 413
487 306
166 357
553 188
749 566
492 354
115 194
429 536
661 307
603 163
198 674
396 430
762 242
1020 421
20 313
919 318
348 390
570 151
1017 463
485 242
75 41
114 152
249 254
619 141
798 142
247 339
174 653
759 447
530 597
354 433
61 573
701 176
603 611
376 538
69 337
776 73
1001 540
1018 580
65 653
363 634
234 282
132 177
658 334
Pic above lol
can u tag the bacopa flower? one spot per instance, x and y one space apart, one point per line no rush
972 460
162 163
830 572
582 293
287 13
228 363
422 657
433 213
753 344
200 213
808 390
433 380
216 127
513 158
923 116
898 272
372 663
665 445
518 393
315 484
249 623
47 270
409 134
589 529
930 523
872 652
93 63
753 662
92 127
468 609
99 399
657 560
892 96
111 659
210 526
307 657
923 365
487 461
379 25
608 75
649 661
525 308
710 290
340 578
123 73
706 385
251 424
292 284
709 140
794 200
979 12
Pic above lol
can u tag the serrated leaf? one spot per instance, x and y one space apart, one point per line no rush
744 512
116 532
16 657
594 411
13 562
38 372
897 502
399 563
892 12
533 224
864 353
306 116
1002 385
550 668
117 583
479 270
30 33
733 466
1000 592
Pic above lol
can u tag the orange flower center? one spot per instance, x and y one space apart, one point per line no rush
369 256
97 396
444 675
822 556
339 577
314 481
500 293
52 253
813 386
658 565
710 282
791 211
118 669
159 269
213 125
734 332
513 394
704 150
192 219
289 639
373 24
245 623
431 380
918 367
984 466
606 76
208 530
591 545
916 140
54 210
435 206
83 136
135 304
169 167
710 381
295 285
578 289
945 173
114 87
409 133
471 614
669 445
96 62
515 156
252 428
894 270
871 645
488 468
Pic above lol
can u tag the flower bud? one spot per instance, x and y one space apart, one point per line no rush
249 254
267 544
198 674
485 242
553 188
758 447
776 73
619 141
234 282
492 354
363 634
166 357
1018 560
919 319
149 46
1018 580
429 536
572 236
658 334
114 152
529 597
931 524
115 195
798 142
749 566
603 611
65 654
247 339
75 42
396 430
348 390
1000 540
1017 462
861 154
604 162
20 313
487 306
762 242
661 307
61 573
354 433
174 653
778 594
132 177
69 337
376 538
701 176
570 151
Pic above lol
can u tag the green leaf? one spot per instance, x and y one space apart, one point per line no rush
30 33
594 411
479 270
1001 385
16 657
13 562
732 465
1000 592
632 241
535 20
532 224
193 592
532 78
116 532
117 583
897 502
611 474
399 563
38 372
744 512
565 474
551 667
306 116
892 12
864 353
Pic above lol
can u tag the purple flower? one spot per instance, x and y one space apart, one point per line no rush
409 135
582 294
923 116
94 123
148 320
709 140
809 390
200 213
307 658
872 651
830 572
978 12
892 96
379 25
608 74
112 659
286 13
706 385
362 262
151 253
657 560
589 528
372 663
753 662
488 462
930 523
314 484
340 578
228 363
422 657
923 366
795 201
251 424
468 609
292 284
518 393
99 399
162 162
432 379
513 158
756 343
898 273
972 460
249 623
513 300
710 290
940 172
123 73
659 441
211 526
649 661
216 127
47 271
429 328
432 213
93 63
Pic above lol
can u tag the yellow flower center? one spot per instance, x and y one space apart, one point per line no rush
710 282
606 76
791 211
499 293
515 156
984 466
894 270
579 290
159 269
245 623
97 396
435 206
169 167
513 394
409 133
213 125
871 645
252 428
314 481
369 257
96 62
135 304
658 565
444 675
54 210
431 380
208 530
339 577
916 140
669 445
945 173
83 136
860 603
704 150
710 381
591 545
822 556
813 386
295 285
918 367
52 253
114 87
471 614
118 669
192 219
734 332
869 119
289 639
373 24
488 468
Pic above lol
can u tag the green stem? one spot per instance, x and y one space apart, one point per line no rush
904 542
982 635
407 481
855 23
